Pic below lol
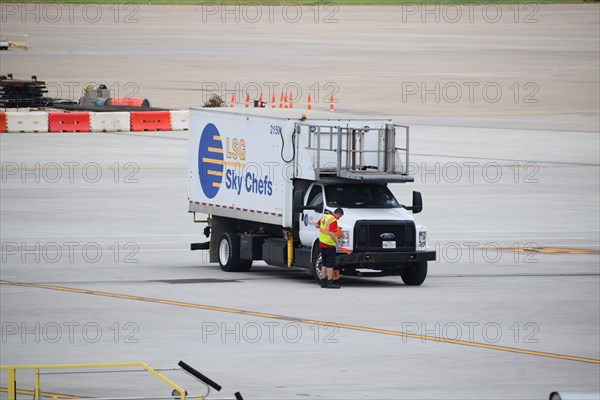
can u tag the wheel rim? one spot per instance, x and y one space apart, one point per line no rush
224 252
317 266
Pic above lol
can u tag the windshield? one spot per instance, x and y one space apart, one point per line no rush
360 196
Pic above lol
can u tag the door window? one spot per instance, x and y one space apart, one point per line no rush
315 198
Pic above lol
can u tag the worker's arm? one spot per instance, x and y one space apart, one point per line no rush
333 233
333 236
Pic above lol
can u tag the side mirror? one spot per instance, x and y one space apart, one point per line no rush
298 201
417 203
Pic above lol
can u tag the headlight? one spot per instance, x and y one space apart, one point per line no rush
345 240
422 239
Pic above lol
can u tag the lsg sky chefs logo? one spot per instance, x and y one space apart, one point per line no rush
210 161
214 162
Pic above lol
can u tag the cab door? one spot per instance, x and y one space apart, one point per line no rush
309 218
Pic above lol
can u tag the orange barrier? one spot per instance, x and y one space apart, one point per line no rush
2 122
150 121
127 101
68 122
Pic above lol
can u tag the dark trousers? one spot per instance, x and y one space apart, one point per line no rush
328 257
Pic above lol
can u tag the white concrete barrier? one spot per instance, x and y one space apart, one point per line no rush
37 121
179 120
109 121
34 121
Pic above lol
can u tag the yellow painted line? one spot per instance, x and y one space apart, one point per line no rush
546 250
44 394
550 250
215 150
257 314
581 251
311 322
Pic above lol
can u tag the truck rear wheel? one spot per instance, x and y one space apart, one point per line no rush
414 274
229 254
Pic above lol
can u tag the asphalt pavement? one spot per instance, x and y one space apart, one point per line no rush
95 232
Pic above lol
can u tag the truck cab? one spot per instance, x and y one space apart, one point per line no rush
377 230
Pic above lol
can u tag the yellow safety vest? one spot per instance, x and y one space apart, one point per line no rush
324 230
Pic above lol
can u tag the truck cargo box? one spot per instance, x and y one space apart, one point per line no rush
243 161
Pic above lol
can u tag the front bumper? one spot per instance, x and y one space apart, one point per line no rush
383 259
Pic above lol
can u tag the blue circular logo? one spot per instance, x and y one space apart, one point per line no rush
210 161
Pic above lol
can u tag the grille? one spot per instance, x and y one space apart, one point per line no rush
368 235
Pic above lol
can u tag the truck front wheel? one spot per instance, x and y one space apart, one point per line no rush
229 254
315 268
414 274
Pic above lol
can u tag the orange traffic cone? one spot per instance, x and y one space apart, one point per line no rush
309 99
285 101
247 100
273 101
232 100
281 100
291 100
260 98
331 103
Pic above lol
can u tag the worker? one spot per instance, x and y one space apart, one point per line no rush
329 236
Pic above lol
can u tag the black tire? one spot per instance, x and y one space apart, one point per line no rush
414 274
229 254
245 265
315 266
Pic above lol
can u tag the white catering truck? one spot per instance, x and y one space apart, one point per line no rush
264 177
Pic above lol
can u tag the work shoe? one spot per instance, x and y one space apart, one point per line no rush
332 285
324 283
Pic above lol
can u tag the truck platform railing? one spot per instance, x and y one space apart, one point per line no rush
359 153
177 392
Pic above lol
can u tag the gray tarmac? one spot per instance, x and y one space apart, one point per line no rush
95 232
